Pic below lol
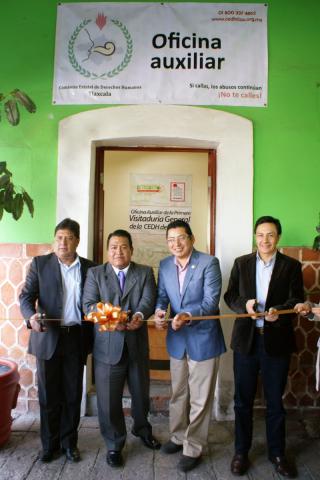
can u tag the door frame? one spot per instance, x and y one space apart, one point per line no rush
99 241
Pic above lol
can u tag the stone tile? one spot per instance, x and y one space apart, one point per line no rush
11 250
34 249
8 334
15 272
7 293
310 255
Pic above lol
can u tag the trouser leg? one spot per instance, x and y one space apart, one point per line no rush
49 392
179 405
246 369
138 383
110 381
274 373
72 394
202 381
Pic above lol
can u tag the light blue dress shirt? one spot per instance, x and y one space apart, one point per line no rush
71 284
263 276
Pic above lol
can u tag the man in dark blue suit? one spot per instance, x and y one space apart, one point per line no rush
265 280
53 290
190 281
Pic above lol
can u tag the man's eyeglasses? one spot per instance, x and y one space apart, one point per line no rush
179 238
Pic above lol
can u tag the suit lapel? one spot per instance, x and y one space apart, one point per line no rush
172 274
194 260
130 280
112 281
251 275
55 268
276 274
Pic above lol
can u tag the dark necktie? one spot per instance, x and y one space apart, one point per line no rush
122 278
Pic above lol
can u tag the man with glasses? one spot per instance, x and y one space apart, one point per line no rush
50 301
190 282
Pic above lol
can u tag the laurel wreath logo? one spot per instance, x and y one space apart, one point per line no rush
112 73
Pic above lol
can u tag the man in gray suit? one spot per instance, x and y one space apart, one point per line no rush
53 290
122 355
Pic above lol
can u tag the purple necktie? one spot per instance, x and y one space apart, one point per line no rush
122 278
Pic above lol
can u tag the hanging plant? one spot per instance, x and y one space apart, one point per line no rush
11 104
12 197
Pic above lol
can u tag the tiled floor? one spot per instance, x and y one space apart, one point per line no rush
19 458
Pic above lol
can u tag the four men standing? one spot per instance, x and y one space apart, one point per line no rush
190 285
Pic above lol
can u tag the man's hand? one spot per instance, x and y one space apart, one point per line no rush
250 307
180 319
303 309
272 315
35 322
135 322
160 320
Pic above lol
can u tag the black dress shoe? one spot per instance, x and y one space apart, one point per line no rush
47 455
170 447
282 467
114 458
72 454
148 440
187 463
239 464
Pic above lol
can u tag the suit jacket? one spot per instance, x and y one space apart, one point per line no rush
43 293
285 290
202 339
138 296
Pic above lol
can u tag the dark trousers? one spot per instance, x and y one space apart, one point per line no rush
110 381
274 373
60 392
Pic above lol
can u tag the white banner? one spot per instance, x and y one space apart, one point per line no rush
187 53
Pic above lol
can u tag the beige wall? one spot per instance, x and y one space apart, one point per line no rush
120 164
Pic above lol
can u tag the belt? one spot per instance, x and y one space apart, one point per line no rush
260 330
65 329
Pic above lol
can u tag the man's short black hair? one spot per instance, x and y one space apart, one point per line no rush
69 224
268 219
179 223
120 233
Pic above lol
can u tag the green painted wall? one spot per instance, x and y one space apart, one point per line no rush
286 133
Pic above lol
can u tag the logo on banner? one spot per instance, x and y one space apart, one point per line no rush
101 48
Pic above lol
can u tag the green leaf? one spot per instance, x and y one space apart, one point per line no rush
4 180
3 167
29 202
24 100
12 112
2 198
1 212
17 208
8 198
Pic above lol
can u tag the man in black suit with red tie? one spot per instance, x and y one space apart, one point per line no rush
53 290
263 281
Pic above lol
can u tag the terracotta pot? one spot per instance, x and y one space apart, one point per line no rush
9 390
